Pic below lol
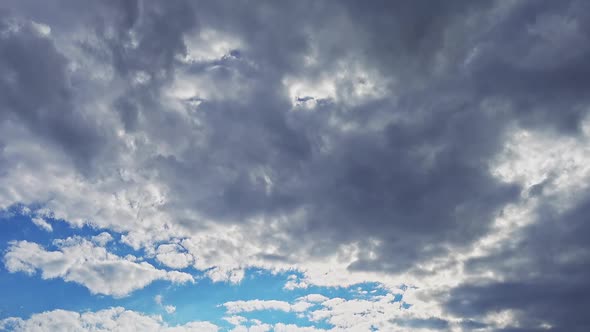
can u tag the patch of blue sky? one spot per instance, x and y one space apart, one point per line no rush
16 226
24 295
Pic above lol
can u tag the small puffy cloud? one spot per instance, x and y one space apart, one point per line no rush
314 298
41 223
301 306
113 319
235 319
234 307
83 262
170 309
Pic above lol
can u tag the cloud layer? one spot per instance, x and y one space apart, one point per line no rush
437 145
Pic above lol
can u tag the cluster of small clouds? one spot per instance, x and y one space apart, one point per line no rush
113 319
120 319
87 263
378 312
440 145
382 312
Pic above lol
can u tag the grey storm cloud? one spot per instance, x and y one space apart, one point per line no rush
546 273
36 91
416 177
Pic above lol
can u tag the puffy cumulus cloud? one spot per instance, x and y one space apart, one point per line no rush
113 319
313 298
346 140
172 256
81 261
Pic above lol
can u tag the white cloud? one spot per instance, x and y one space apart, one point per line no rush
234 307
313 298
172 256
252 328
102 239
81 261
42 29
235 319
170 309
280 327
42 224
375 311
113 319
240 321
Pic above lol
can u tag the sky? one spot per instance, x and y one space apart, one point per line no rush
258 165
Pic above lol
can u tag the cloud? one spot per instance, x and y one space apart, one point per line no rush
280 327
350 142
385 312
313 298
235 320
113 319
545 266
41 223
542 260
37 92
234 307
339 170
80 261
172 256
102 239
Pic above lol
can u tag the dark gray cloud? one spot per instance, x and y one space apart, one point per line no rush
409 167
536 59
413 182
429 323
546 272
37 92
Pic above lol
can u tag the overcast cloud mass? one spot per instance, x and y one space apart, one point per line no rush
429 159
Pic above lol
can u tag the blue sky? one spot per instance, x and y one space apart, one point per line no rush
294 166
27 294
